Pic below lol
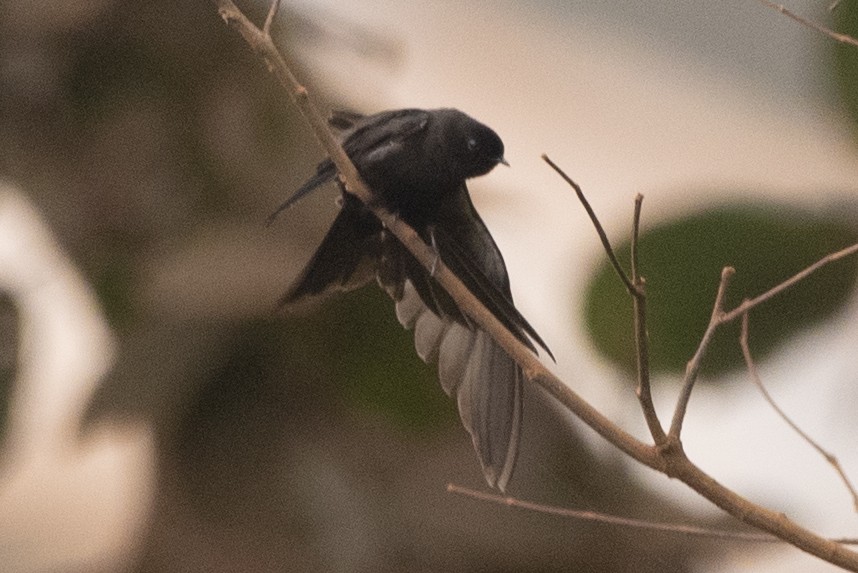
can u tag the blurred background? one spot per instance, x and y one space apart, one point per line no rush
157 411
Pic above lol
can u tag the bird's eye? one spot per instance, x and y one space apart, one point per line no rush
472 144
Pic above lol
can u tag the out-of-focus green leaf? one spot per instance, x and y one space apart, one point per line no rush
9 342
846 59
682 263
375 362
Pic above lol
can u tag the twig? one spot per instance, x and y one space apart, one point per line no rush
643 390
720 317
272 11
755 378
261 43
636 287
636 232
670 461
692 369
843 38
610 519
691 530
801 275
599 229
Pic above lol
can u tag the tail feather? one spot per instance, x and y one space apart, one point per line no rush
484 380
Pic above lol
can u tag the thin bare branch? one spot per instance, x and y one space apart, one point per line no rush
720 316
843 38
758 382
799 276
611 519
601 231
635 244
636 287
272 12
692 369
639 300
583 515
262 44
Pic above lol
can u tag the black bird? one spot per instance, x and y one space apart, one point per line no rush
416 163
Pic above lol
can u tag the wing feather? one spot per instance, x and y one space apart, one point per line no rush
347 257
473 369
468 249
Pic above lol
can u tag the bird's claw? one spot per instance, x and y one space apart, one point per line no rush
434 266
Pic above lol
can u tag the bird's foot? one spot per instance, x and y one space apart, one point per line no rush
434 266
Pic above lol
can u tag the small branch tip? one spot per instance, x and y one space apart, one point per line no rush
269 19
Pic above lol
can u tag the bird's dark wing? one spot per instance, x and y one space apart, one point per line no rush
485 381
369 141
344 120
324 172
375 139
347 257
465 245
468 249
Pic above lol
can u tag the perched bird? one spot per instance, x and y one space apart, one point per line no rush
416 163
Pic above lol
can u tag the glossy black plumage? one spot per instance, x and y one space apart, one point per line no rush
416 163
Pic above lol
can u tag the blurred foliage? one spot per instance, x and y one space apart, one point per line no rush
349 353
682 263
157 120
110 70
115 285
846 59
374 361
9 342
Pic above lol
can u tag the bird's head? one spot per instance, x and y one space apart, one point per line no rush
478 148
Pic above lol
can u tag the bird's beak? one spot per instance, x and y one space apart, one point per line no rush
503 161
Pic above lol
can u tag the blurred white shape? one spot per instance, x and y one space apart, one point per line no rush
67 501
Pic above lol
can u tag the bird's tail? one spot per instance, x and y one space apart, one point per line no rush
486 383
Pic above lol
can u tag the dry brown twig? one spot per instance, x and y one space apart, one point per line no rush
269 19
607 519
758 382
692 369
842 38
667 457
597 517
636 287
